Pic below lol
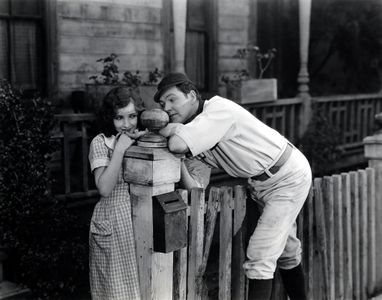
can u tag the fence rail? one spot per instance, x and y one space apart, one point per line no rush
337 227
282 115
353 116
70 166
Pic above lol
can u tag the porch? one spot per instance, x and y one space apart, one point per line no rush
351 115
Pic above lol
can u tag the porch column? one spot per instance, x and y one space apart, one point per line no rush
150 172
303 75
179 11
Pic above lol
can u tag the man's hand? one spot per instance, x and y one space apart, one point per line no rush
170 129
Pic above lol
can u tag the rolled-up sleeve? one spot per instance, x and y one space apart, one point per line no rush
98 153
199 171
207 129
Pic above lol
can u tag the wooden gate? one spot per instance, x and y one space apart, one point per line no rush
337 227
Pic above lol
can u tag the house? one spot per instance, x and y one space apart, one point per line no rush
53 46
328 53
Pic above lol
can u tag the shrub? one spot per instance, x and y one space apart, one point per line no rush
46 243
320 143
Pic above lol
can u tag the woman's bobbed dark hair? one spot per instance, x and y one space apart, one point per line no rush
115 99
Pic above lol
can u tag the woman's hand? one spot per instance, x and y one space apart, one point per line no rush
123 142
126 139
136 134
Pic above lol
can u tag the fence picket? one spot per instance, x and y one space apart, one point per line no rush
354 192
211 216
225 239
66 143
238 250
195 250
327 188
348 241
363 231
180 265
310 229
372 261
210 222
338 240
321 233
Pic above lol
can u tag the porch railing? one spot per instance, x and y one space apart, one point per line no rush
353 114
70 166
282 115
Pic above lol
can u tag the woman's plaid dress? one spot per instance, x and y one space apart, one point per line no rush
112 259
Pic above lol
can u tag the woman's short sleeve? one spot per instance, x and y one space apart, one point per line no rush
98 153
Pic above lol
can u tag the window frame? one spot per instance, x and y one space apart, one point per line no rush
45 19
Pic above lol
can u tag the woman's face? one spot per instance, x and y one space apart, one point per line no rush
126 118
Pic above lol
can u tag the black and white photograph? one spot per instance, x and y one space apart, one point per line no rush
191 149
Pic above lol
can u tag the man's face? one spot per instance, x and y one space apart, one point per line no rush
179 107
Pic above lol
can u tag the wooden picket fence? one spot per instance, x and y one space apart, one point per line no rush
337 227
190 263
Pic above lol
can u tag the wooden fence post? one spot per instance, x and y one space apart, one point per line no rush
225 250
372 263
363 230
180 265
354 194
310 233
238 247
329 214
348 262
150 172
373 152
321 235
195 249
338 236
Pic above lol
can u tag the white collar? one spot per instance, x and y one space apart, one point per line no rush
109 141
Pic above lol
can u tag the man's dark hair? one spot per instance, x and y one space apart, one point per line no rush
187 87
179 80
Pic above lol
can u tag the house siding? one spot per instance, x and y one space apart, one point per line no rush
233 22
133 29
90 29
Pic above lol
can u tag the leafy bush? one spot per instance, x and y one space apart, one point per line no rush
47 245
320 143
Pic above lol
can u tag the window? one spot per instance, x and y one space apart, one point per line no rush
21 43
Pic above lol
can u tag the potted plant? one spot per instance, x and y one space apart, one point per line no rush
243 88
110 77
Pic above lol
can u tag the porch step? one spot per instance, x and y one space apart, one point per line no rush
12 291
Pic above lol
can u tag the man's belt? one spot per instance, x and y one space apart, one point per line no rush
273 170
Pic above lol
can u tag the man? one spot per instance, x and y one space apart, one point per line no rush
224 135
